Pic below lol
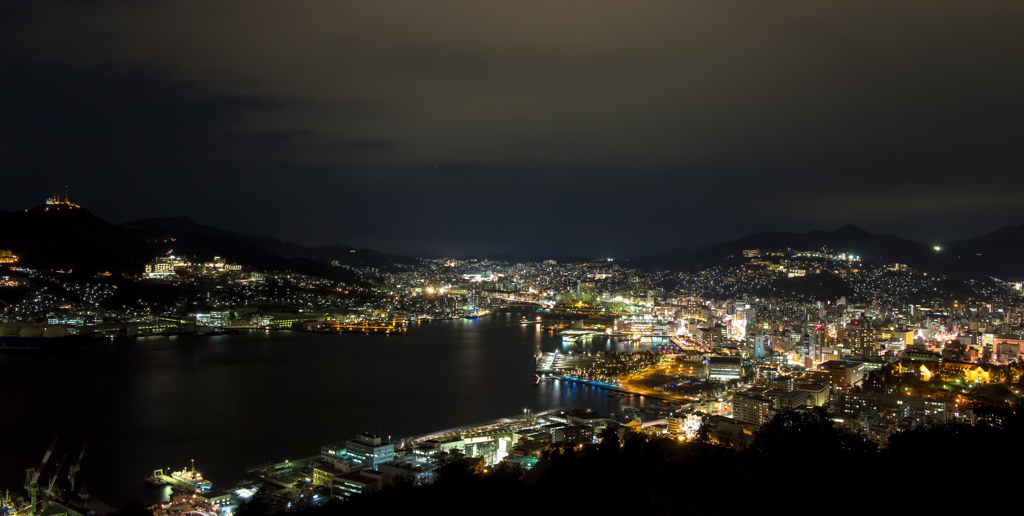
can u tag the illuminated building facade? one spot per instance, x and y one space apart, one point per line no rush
164 267
354 483
57 203
725 368
759 346
219 265
169 267
1007 349
817 393
370 450
897 406
750 407
217 319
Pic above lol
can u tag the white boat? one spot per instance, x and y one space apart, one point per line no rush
192 478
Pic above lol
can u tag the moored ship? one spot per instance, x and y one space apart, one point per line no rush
192 478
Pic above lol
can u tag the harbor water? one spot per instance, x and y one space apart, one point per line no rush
235 401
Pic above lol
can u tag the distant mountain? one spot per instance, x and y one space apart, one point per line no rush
343 254
849 239
205 242
180 225
521 258
997 253
685 250
63 236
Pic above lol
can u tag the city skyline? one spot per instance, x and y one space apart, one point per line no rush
332 257
462 129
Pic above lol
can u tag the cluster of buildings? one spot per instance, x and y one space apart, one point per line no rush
369 462
712 305
877 369
171 267
728 324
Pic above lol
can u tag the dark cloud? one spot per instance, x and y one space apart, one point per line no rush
609 128
109 130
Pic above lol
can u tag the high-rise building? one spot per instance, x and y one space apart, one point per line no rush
751 407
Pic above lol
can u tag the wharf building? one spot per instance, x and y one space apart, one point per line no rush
368 462
492 444
433 447
354 466
420 472
347 483
370 450
218 318
364 451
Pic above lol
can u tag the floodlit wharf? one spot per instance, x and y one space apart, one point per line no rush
184 504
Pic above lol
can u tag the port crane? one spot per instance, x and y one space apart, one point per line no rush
73 470
53 479
32 478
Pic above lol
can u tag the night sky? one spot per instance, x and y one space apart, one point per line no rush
456 128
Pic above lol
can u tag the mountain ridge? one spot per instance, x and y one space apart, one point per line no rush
344 254
64 236
992 253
